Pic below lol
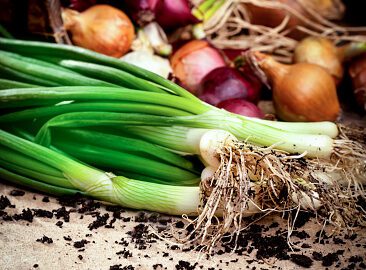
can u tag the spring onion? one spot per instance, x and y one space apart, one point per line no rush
70 134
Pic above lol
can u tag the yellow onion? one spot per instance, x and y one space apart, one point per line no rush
100 28
321 51
301 92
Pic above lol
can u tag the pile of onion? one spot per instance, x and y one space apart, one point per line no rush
301 92
100 28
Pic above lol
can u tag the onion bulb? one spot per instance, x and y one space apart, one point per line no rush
227 83
100 28
301 92
357 71
242 107
193 61
169 14
172 14
149 61
321 51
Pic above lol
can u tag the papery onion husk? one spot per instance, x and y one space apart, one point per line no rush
101 28
301 92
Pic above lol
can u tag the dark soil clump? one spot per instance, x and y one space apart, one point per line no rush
81 243
42 213
4 202
17 192
301 260
26 215
99 222
45 240
184 265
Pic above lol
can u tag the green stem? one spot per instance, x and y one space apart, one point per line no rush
34 48
8 84
5 32
136 194
63 77
216 6
41 113
317 128
9 73
174 200
125 145
48 179
175 138
34 184
313 145
25 162
13 98
111 75
117 160
85 178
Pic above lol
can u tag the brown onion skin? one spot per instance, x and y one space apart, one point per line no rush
100 28
301 92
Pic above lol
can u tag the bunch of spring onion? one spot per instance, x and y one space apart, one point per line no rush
72 120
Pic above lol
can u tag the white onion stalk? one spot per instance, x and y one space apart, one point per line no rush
158 39
149 61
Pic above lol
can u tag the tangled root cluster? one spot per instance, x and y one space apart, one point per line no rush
256 180
231 27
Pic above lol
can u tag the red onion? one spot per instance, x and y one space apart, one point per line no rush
227 83
172 14
242 107
193 61
81 5
169 14
141 12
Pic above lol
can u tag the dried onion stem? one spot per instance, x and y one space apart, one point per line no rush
228 27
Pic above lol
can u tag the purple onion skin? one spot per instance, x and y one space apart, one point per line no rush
141 12
227 83
172 14
81 5
242 107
